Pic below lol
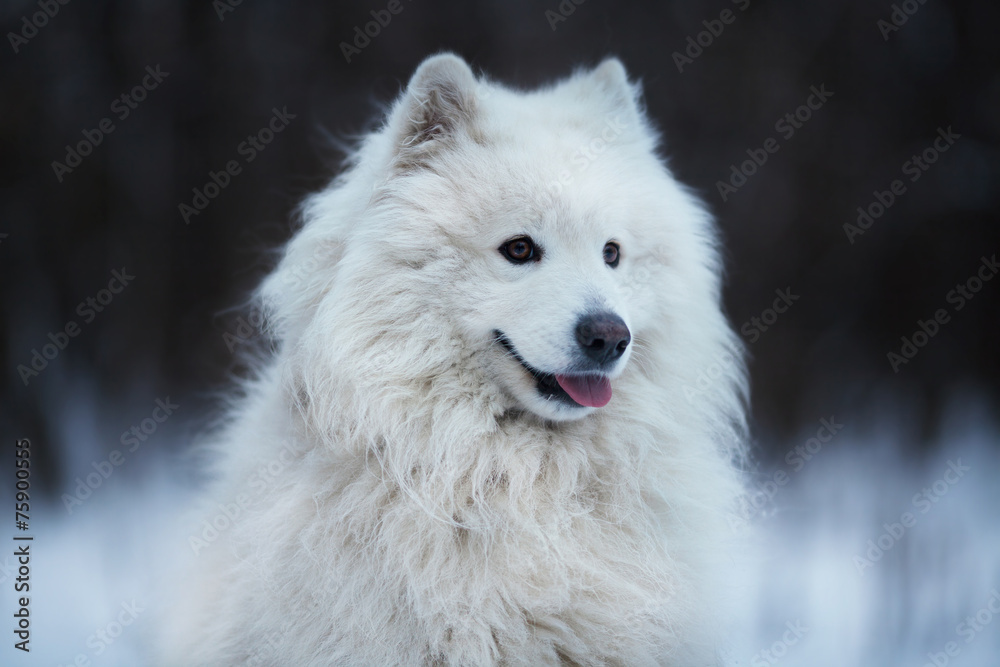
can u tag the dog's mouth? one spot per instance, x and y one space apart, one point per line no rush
591 390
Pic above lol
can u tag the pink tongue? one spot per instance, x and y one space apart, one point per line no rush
591 390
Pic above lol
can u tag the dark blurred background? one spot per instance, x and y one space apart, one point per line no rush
223 69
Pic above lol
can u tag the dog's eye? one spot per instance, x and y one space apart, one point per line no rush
519 250
611 254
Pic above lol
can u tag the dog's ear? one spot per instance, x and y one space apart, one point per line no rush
612 78
440 101
609 81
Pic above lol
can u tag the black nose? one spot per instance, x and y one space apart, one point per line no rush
602 336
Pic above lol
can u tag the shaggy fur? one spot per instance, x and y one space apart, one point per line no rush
393 490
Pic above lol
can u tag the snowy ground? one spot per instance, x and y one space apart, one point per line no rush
814 592
821 594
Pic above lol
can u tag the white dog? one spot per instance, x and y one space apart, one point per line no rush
504 420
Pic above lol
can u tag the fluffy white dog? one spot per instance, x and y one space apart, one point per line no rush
504 419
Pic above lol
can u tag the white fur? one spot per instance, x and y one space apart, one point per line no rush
430 506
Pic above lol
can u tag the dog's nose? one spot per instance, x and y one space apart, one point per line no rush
602 336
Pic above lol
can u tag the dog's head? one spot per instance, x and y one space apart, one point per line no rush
534 240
